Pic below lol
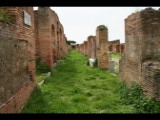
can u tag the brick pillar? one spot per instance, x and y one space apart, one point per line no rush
102 47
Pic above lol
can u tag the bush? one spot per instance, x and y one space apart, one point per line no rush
41 67
134 96
87 63
95 64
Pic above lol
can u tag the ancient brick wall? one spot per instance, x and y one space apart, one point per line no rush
130 67
151 78
142 43
114 46
50 39
17 71
122 47
85 48
102 47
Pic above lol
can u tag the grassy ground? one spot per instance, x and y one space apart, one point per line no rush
116 55
75 87
40 77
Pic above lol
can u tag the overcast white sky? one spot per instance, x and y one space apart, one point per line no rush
80 22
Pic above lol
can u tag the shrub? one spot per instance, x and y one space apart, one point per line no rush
87 63
95 64
134 96
41 67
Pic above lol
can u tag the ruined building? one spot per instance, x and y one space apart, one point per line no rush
30 35
51 42
116 46
140 61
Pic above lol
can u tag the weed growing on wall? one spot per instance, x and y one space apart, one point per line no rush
4 16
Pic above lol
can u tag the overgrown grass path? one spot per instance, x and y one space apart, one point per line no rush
75 87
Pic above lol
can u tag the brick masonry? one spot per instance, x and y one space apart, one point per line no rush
116 46
142 43
51 43
102 48
31 34
17 71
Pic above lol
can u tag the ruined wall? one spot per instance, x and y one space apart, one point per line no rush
114 45
50 37
142 31
17 71
102 47
151 78
131 66
85 48
122 47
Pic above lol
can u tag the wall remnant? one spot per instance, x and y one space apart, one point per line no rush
51 42
140 58
17 59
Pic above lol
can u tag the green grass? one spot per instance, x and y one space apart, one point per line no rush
40 77
75 87
116 55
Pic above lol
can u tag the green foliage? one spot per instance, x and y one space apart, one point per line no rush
87 63
4 16
134 96
40 77
41 67
116 55
102 27
95 64
130 94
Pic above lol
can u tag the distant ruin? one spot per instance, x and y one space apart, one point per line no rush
116 46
